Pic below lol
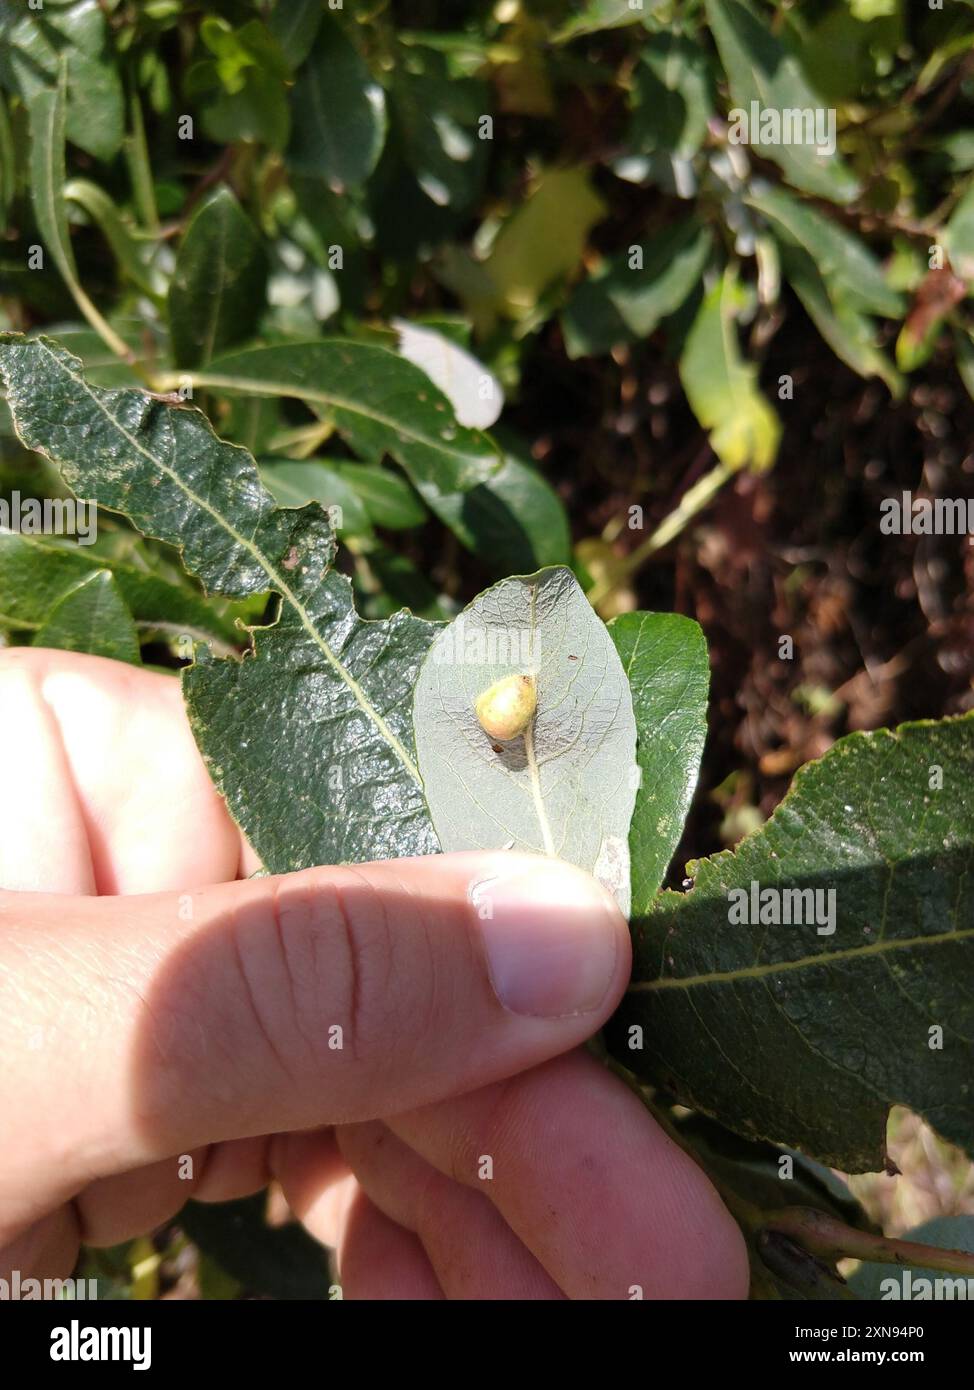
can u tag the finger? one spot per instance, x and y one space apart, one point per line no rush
48 1249
317 1183
129 1204
379 1261
114 796
43 835
146 1027
233 1170
591 1184
473 1251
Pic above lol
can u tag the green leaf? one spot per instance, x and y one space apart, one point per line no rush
753 1169
129 252
35 572
803 1032
389 500
722 388
380 402
567 785
294 24
946 1233
849 333
438 117
307 738
8 164
544 239
671 99
515 521
847 51
295 482
217 290
843 260
34 42
621 304
964 355
596 15
664 657
281 1262
93 618
958 235
761 69
397 583
47 113
338 113
243 85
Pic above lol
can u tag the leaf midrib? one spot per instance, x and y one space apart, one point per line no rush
264 387
759 972
533 773
278 582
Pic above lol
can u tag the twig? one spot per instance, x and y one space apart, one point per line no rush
693 501
833 1240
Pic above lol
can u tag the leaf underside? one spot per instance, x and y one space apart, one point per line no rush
567 786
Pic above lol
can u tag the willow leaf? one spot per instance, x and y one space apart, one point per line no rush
217 289
664 656
47 123
323 685
37 571
803 1020
567 784
92 617
379 401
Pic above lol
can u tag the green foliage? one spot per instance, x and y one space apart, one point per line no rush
217 290
300 271
809 1033
92 618
665 659
348 137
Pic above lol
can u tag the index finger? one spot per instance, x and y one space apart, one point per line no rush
117 798
581 1172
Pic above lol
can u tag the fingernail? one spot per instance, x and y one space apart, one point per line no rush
551 937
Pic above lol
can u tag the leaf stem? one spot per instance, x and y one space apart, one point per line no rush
102 327
693 501
833 1240
140 171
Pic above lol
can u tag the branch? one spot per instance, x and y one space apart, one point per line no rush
833 1240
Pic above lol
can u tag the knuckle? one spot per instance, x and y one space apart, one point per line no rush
376 994
328 971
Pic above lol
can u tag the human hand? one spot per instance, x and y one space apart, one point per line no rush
153 1008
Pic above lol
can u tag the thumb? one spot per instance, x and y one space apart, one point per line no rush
142 1027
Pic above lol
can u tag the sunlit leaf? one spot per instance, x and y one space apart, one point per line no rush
810 1002
722 388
